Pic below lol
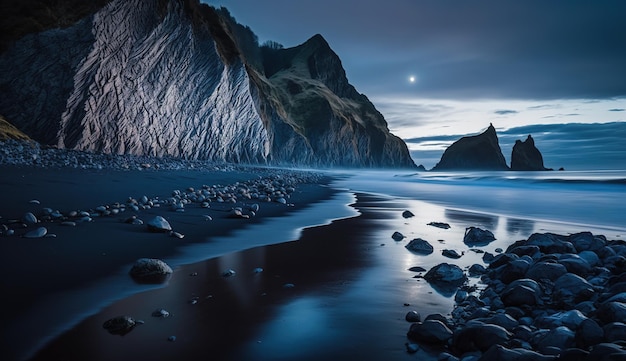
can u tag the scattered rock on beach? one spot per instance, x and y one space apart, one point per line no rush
407 214
475 236
158 224
446 274
420 246
36 233
450 253
397 236
120 325
160 313
29 218
441 225
150 270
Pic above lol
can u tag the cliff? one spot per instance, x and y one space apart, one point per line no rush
179 78
478 152
526 157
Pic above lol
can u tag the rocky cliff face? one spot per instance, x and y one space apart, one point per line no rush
171 78
478 152
526 156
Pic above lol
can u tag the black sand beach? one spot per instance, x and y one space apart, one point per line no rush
78 257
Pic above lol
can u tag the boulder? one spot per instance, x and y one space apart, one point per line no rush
429 331
546 270
475 236
478 336
522 292
560 338
150 270
614 332
611 312
550 243
589 333
571 289
420 246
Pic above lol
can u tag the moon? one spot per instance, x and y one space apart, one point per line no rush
411 79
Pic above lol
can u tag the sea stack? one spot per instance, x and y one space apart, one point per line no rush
477 152
526 156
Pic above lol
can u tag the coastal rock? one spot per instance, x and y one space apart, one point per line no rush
522 292
158 224
478 336
420 246
441 225
614 332
589 333
446 274
106 92
36 233
560 338
478 152
526 157
412 316
150 270
501 353
571 289
475 236
120 325
450 253
397 236
607 352
611 312
546 270
29 218
407 214
429 331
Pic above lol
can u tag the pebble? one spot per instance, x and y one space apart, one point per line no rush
36 233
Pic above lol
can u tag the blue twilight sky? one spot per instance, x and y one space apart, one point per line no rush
450 67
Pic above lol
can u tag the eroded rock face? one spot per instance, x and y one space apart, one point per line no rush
526 156
172 78
478 152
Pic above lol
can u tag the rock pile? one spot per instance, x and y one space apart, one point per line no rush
546 298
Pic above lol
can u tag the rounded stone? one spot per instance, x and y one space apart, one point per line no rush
158 224
420 246
150 270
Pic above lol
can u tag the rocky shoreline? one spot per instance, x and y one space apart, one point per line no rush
550 297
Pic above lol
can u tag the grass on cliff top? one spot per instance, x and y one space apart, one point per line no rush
8 131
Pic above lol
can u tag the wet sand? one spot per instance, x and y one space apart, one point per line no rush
351 289
55 282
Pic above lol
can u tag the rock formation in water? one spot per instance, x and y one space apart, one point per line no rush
478 152
179 78
526 156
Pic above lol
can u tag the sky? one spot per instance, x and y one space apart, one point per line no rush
452 67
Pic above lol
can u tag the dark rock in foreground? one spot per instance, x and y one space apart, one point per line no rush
475 236
420 246
546 298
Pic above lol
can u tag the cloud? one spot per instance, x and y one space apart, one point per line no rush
505 112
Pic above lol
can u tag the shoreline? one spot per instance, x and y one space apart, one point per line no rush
46 273
257 316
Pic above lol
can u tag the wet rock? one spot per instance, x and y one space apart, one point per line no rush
160 313
420 246
546 270
120 325
397 236
429 331
571 319
571 289
417 269
614 332
150 270
407 214
476 270
611 312
513 270
36 233
501 353
158 224
29 218
575 264
411 347
607 352
413 316
586 241
478 336
229 273
446 273
523 292
550 243
475 236
441 225
560 338
450 253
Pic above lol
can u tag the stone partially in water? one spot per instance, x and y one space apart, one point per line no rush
475 236
150 270
158 224
407 214
441 225
36 233
397 236
120 325
420 246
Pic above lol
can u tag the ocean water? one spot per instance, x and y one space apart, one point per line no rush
595 199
